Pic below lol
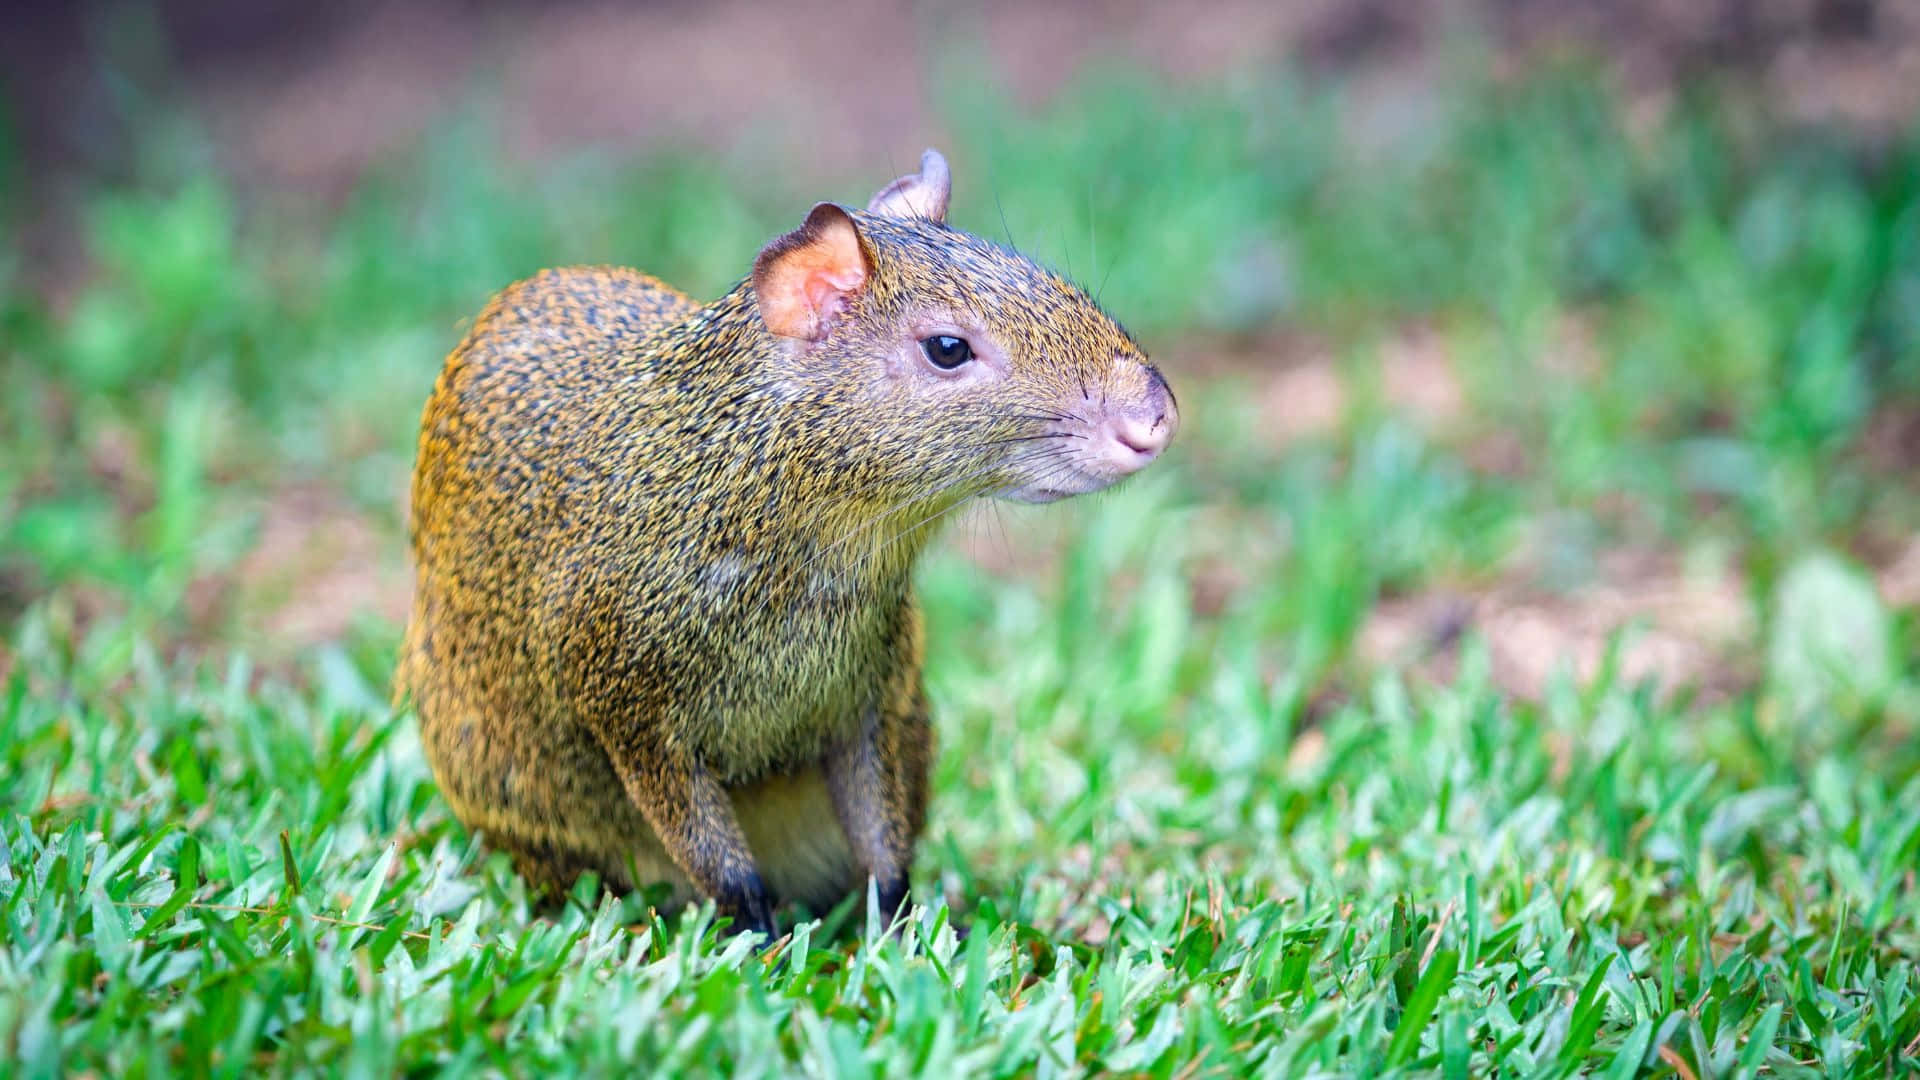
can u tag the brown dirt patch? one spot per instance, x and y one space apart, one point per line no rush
317 566
1308 392
307 95
1687 627
1891 441
1303 402
1899 580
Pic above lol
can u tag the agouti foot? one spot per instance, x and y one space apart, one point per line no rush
750 908
754 926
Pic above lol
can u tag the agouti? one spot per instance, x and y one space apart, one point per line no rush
664 626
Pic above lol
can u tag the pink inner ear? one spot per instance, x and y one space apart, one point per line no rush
806 278
827 294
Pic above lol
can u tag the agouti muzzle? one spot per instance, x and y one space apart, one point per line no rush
664 627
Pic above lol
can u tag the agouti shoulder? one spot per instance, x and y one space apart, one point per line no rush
663 625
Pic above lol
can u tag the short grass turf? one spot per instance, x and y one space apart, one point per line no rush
1191 823
1162 868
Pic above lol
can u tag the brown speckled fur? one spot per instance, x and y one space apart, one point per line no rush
663 627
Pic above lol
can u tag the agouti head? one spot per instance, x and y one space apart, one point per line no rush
959 367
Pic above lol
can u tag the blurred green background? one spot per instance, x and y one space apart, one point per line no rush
1635 296
1556 364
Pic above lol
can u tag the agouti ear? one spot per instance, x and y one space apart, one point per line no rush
806 278
923 194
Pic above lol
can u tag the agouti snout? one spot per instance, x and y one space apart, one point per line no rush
1123 435
663 627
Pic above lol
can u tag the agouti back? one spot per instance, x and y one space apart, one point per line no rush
663 627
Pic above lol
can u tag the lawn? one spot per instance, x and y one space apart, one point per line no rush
1513 669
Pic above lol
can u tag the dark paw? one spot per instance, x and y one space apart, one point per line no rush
749 907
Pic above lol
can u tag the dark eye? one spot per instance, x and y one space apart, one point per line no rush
947 352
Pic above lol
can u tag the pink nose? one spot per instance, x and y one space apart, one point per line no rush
1133 437
1143 438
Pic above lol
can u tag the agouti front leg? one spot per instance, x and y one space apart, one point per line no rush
878 777
693 817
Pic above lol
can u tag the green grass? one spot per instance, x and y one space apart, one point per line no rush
1189 836
205 872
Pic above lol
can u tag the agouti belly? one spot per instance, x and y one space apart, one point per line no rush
791 828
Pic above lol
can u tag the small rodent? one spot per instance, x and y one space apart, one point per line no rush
663 626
